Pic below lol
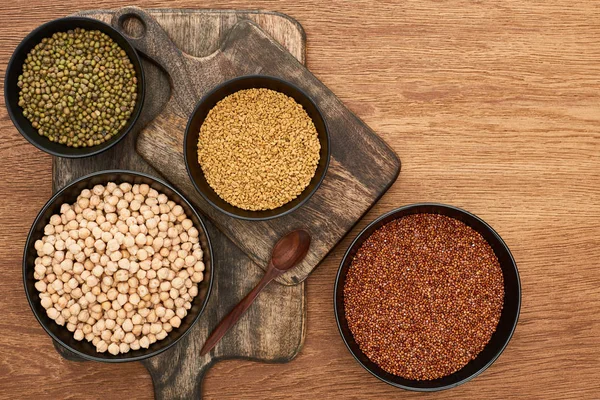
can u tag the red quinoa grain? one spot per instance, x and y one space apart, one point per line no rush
423 296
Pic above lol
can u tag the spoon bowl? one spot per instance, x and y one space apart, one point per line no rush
290 250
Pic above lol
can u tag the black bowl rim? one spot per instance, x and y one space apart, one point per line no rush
227 83
360 235
29 295
133 118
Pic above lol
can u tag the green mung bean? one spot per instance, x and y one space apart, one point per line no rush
78 88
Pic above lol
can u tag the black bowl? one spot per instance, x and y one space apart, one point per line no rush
192 132
15 68
69 195
506 324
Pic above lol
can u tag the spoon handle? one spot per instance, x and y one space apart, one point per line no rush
239 310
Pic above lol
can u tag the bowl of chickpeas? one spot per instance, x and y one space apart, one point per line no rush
117 266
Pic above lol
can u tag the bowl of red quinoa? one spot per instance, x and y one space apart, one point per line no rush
427 297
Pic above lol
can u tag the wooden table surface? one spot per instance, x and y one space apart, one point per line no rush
492 106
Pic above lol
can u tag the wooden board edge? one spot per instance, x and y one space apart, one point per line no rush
281 15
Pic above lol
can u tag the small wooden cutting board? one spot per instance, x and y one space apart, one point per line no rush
362 166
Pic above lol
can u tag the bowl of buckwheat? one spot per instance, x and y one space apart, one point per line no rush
117 266
256 147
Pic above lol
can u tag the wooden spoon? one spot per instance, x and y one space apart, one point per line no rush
287 253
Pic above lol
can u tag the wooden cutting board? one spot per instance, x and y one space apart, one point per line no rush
362 165
274 327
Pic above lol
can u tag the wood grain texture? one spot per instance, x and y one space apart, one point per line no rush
362 166
273 329
493 106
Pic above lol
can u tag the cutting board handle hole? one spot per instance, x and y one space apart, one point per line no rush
132 25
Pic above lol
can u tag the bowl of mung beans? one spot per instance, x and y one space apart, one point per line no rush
427 297
74 87
256 147
117 266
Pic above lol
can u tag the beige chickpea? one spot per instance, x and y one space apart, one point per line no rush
197 277
129 241
180 311
125 187
46 302
190 261
144 342
135 205
161 335
104 225
115 305
127 325
144 312
129 338
137 319
174 294
92 281
141 275
121 275
110 267
142 254
73 225
156 263
106 335
106 237
97 271
140 239
155 328
52 313
40 286
177 283
169 313
49 229
142 291
199 266
101 346
169 303
113 349
47 249
134 299
122 299
164 296
175 322
110 323
79 335
112 244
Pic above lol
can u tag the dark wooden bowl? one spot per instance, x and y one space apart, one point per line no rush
508 318
15 68
69 195
192 133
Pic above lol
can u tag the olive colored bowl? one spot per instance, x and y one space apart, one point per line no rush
69 195
192 133
15 68
508 318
